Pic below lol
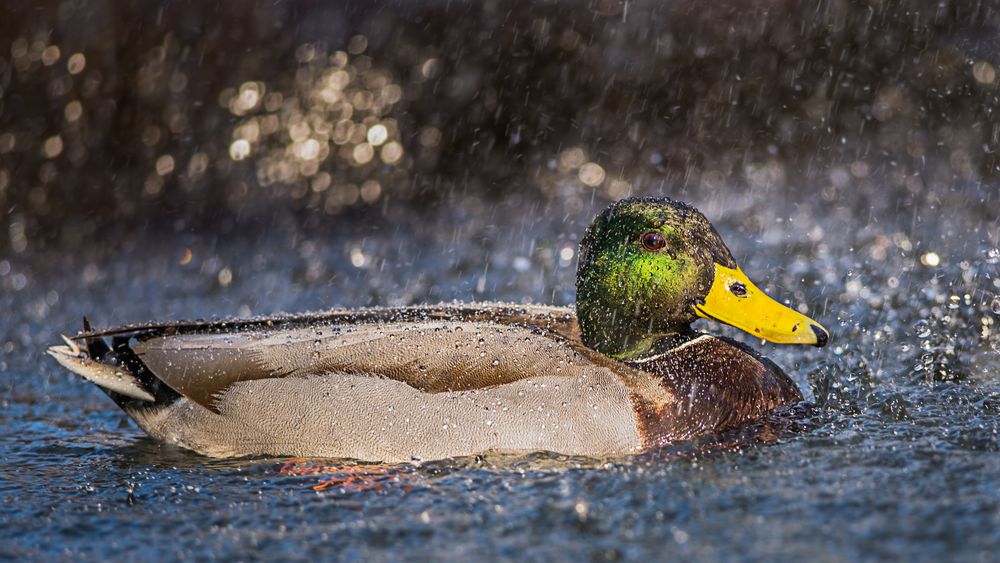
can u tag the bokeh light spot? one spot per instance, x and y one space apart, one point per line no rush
983 72
363 153
571 159
50 55
358 258
52 147
377 135
370 191
392 152
591 174
73 111
239 150
165 165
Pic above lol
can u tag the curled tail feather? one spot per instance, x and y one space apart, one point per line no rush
114 379
114 367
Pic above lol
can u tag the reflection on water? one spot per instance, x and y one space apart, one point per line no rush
303 158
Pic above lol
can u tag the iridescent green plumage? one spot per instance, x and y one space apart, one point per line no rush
629 298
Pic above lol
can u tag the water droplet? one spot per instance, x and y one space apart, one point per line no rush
922 328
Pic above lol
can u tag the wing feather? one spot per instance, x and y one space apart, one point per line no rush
436 354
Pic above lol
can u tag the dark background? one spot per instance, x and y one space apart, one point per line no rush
831 100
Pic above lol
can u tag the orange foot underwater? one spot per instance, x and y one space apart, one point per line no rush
349 478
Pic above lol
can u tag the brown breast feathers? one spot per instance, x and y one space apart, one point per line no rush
716 384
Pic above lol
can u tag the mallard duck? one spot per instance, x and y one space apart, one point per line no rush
622 373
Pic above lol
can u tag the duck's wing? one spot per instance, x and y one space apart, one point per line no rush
432 349
561 320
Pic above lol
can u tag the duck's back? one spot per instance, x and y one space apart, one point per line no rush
380 384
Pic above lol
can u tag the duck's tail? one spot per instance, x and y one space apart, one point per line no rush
114 368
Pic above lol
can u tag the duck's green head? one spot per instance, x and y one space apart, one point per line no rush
649 267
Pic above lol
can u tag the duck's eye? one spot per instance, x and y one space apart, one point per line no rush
653 241
738 289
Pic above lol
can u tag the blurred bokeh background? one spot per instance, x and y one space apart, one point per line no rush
184 114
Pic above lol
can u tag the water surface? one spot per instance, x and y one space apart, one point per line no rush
160 169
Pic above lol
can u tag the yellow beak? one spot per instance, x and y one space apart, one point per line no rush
736 301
